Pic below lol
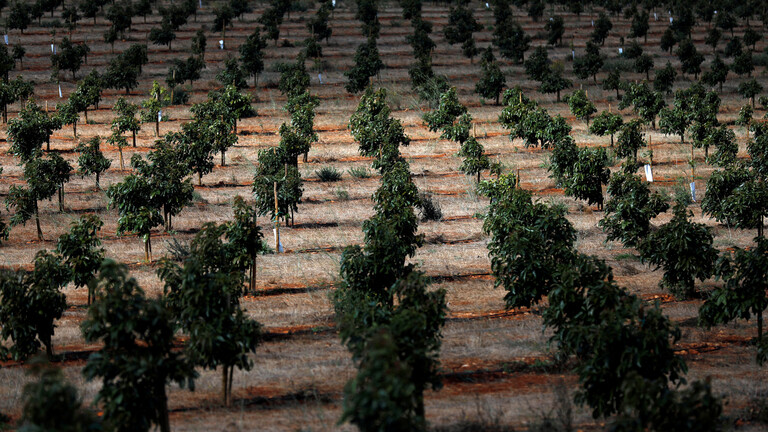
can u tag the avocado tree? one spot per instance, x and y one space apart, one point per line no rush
682 248
152 106
631 207
580 105
664 78
164 35
589 64
205 301
588 175
194 149
750 89
646 103
122 74
89 91
125 121
137 360
252 54
68 57
603 26
29 131
80 251
528 241
461 25
52 403
31 302
606 123
743 293
199 43
690 58
555 28
91 159
367 64
640 26
68 112
13 91
138 214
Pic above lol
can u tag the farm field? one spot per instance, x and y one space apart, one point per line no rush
496 363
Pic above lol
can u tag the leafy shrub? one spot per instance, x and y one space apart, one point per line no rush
360 172
328 174
429 207
342 194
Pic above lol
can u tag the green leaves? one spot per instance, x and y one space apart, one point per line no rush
367 64
91 159
29 131
580 105
528 241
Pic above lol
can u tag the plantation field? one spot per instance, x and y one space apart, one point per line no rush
497 365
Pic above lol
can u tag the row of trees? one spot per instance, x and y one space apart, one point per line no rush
387 319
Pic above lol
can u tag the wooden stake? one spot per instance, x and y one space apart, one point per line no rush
277 223
609 108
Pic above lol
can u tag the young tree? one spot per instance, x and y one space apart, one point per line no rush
630 208
151 107
52 403
511 40
682 248
750 89
537 65
252 54
640 26
69 57
743 293
68 113
204 299
18 16
195 149
528 241
13 91
122 74
554 82
743 64
606 124
80 251
646 103
126 120
492 81
580 105
644 64
367 64
690 58
164 35
88 92
589 173
233 74
588 64
664 79
630 140
199 43
555 28
31 302
461 25
603 26
91 159
674 121
613 82
137 360
717 73
29 131
138 214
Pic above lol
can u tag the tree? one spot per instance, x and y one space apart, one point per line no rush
613 82
528 241
603 25
751 37
630 140
138 214
674 121
223 17
80 251
121 73
646 103
199 43
52 403
664 79
537 65
668 40
717 73
580 105
318 25
13 91
89 92
630 208
555 28
163 35
7 63
367 64
690 58
31 302
136 362
195 149
67 113
606 124
18 16
252 54
245 238
644 64
640 26
743 293
589 173
152 106
554 82
511 40
29 131
724 141
750 89
233 74
91 159
713 37
18 54
588 64
682 248
69 57
461 25
205 303
136 55
276 175
743 64
126 120
492 80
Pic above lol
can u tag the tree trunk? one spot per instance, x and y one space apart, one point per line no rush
61 198
37 223
122 167
97 181
85 112
759 326
478 177
199 178
46 339
157 128
74 129
306 156
611 140
222 158
134 138
235 126
252 284
5 113
163 420
225 385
